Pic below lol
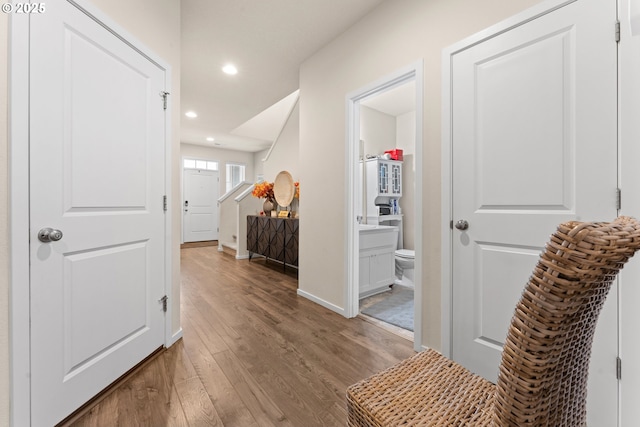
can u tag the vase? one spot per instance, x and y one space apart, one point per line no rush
267 207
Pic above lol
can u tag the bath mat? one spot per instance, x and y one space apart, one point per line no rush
395 307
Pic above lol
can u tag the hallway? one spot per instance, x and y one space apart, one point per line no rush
253 353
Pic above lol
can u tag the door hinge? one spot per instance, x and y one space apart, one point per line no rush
164 96
618 368
617 31
164 300
164 203
618 199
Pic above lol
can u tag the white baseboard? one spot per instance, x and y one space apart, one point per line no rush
322 302
242 256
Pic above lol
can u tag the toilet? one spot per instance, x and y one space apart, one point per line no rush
404 267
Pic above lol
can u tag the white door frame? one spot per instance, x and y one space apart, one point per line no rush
19 305
412 72
629 88
447 158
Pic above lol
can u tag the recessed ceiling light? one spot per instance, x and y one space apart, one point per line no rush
191 114
230 69
210 139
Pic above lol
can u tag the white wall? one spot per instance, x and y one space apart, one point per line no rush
249 206
258 165
392 36
222 156
377 130
406 141
233 218
285 155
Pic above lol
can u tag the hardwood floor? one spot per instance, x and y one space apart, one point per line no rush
253 354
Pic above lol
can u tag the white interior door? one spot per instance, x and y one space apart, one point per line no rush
200 205
534 144
97 148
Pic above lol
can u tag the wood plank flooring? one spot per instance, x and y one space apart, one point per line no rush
254 353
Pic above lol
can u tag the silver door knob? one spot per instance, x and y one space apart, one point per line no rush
462 224
47 235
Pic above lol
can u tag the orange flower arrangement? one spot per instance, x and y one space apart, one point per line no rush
297 193
263 190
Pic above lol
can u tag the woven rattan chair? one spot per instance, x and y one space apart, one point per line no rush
542 379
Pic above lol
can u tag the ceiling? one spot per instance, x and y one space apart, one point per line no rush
266 40
395 101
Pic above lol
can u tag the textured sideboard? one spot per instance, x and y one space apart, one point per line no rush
275 238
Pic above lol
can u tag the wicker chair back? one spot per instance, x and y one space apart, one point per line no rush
545 361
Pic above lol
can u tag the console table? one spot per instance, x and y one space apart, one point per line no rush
275 238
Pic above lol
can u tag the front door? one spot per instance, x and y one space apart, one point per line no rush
200 205
97 145
534 144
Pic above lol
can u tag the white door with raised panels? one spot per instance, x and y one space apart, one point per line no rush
200 205
534 144
97 156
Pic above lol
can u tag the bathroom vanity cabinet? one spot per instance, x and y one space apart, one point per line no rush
377 258
275 238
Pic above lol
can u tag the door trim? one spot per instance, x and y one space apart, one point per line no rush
19 280
19 346
415 72
447 157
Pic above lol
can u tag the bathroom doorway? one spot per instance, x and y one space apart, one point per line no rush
386 116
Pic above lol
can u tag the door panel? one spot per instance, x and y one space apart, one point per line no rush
534 145
127 96
90 276
97 174
538 73
497 265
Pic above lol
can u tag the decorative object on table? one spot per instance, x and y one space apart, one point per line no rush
264 190
395 154
268 206
295 203
284 189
